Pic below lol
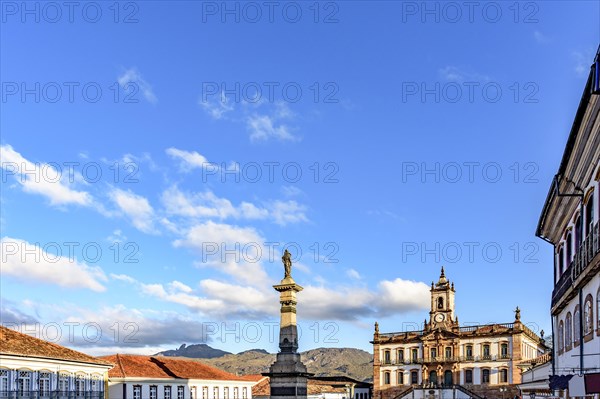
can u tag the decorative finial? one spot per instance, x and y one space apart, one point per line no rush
287 263
453 285
443 280
376 328
517 314
542 333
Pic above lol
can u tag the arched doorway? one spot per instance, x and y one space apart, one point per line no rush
447 377
433 377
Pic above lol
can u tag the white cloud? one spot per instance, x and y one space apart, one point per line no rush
43 179
133 76
583 60
178 285
352 303
265 127
335 303
122 277
400 295
136 208
208 205
189 159
30 262
113 329
352 273
285 212
456 74
116 236
213 241
291 191
218 108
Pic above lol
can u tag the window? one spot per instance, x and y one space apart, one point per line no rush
80 384
485 376
400 355
215 393
386 378
433 377
153 391
386 357
137 392
440 303
469 352
577 234
504 350
3 380
415 354
561 336
226 393
44 384
167 392
204 392
414 377
97 383
236 394
568 331
588 316
503 375
180 392
486 351
569 248
244 393
589 215
561 263
63 382
448 352
24 383
576 324
433 352
193 393
468 376
400 377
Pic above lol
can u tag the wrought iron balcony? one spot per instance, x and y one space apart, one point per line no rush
587 251
51 394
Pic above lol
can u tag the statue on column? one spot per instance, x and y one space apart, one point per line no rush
287 263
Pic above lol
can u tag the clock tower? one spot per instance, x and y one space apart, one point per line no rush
441 314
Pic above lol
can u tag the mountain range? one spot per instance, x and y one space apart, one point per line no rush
351 362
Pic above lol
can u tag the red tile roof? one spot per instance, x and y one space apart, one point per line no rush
263 388
15 343
164 367
253 377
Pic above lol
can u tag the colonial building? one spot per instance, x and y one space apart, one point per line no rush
32 368
569 221
162 377
477 360
535 379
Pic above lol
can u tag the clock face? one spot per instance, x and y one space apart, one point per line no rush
439 317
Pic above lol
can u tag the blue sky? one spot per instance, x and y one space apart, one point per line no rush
157 158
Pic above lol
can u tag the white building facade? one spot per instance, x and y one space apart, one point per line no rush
569 221
159 377
32 368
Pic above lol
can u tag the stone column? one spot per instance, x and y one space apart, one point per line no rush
288 375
